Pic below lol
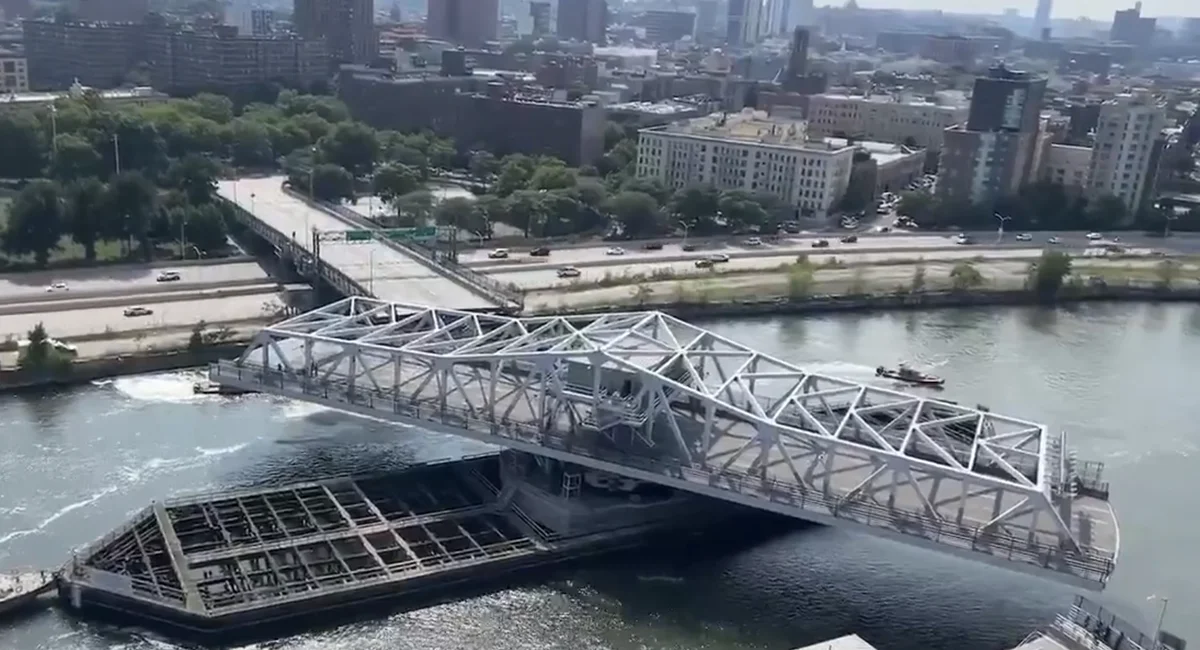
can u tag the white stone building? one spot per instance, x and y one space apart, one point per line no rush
884 118
14 73
1129 126
749 151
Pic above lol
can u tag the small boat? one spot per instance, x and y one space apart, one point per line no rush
908 375
213 388
22 589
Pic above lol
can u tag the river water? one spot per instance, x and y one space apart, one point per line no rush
1120 378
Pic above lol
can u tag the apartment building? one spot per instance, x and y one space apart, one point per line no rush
884 118
749 151
1128 135
224 59
14 75
1068 165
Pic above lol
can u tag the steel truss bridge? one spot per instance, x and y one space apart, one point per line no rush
648 396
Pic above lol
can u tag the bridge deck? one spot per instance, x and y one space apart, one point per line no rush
703 414
386 272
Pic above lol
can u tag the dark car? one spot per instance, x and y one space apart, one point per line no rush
850 239
821 243
687 248
653 246
540 251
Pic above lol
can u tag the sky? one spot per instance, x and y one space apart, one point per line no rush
1101 10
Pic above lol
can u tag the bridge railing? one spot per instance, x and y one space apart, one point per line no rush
511 299
1091 564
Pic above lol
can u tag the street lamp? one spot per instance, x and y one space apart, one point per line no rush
1000 230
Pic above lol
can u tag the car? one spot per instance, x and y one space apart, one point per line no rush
718 258
540 251
1054 241
653 246
615 250
1094 236
1024 237
704 264
568 272
132 312
883 209
168 276
964 240
498 254
687 248
753 241
57 286
850 239
821 243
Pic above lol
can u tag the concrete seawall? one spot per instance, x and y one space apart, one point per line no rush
92 369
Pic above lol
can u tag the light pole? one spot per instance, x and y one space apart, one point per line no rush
1000 231
1162 613
117 153
53 132
252 202
371 272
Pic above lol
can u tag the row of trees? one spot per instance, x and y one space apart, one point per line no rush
1042 205
128 208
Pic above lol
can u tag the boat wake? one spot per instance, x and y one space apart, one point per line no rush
65 510
174 387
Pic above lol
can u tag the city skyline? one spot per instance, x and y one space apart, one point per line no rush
1099 10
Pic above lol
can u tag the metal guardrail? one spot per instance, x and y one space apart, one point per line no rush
1092 564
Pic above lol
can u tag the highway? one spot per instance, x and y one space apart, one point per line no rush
78 322
386 272
546 276
124 280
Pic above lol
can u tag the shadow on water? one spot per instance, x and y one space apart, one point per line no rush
1041 319
46 407
1192 324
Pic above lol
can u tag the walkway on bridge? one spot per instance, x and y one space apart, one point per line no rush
651 397
383 270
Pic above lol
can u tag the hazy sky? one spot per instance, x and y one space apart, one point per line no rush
1095 9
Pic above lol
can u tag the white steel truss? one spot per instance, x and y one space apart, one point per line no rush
652 397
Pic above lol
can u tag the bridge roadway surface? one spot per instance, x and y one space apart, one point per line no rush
386 272
825 464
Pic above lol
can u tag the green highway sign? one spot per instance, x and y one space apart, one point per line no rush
394 234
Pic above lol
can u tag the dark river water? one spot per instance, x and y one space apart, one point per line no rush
1121 379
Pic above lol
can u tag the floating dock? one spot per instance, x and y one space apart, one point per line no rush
21 589
228 563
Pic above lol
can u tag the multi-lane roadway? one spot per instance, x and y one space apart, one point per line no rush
116 281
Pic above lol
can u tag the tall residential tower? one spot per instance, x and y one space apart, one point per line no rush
348 27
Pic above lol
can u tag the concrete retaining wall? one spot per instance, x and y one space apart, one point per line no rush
89 370
125 301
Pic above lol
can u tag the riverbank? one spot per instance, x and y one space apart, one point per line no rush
86 370
690 309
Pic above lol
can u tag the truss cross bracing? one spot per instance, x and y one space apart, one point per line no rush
652 397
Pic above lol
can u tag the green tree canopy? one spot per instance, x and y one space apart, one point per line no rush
35 222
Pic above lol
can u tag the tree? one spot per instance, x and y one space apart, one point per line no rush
1049 272
25 148
801 277
196 176
514 175
250 144
132 203
35 222
395 180
918 279
483 165
332 183
740 212
696 206
38 353
525 210
196 340
964 276
353 146
552 177
75 158
204 228
85 207
1106 212
415 208
638 213
459 212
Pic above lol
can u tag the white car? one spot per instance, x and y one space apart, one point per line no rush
132 312
568 272
168 276
754 241
718 258
615 250
57 286
498 254
1054 241
1024 237
1094 236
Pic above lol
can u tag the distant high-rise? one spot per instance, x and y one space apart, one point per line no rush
348 27
1124 155
1130 27
1041 19
540 13
583 20
742 26
465 22
797 65
12 10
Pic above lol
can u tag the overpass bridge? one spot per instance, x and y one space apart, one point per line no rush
648 396
353 255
